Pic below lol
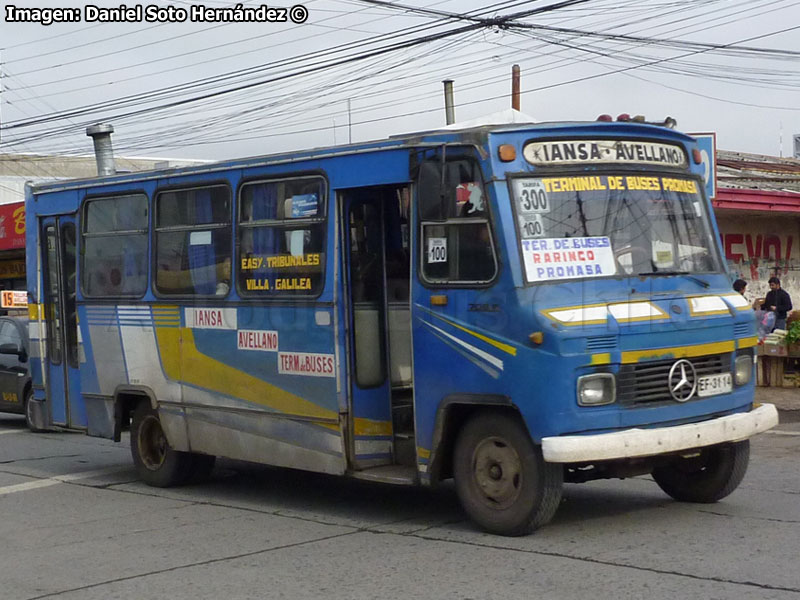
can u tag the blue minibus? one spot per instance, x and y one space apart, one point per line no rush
512 307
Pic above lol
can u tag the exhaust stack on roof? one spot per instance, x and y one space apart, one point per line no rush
449 104
103 152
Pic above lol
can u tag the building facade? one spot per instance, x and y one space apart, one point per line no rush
758 211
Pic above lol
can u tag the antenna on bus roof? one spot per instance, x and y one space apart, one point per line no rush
103 152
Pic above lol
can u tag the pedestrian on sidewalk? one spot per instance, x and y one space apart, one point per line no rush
777 301
740 285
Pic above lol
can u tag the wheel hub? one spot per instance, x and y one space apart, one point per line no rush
497 471
152 443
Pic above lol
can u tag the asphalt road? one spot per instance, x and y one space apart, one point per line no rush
77 525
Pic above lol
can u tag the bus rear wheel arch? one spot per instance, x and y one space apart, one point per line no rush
501 479
706 476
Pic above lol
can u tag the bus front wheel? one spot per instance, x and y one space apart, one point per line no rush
501 478
707 476
157 464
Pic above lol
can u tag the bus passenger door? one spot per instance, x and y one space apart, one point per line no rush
377 277
62 381
457 354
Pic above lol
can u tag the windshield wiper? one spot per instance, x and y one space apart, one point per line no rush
686 274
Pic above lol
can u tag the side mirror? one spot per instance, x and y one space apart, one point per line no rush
12 349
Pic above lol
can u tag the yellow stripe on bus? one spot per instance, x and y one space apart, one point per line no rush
202 371
747 342
33 311
368 427
208 373
601 359
634 356
499 345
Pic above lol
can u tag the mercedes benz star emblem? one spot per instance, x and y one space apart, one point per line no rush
682 380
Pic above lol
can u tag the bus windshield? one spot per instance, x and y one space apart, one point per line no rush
573 227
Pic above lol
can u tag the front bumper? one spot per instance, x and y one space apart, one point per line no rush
661 440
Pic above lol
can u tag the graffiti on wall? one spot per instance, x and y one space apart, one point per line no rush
762 253
757 249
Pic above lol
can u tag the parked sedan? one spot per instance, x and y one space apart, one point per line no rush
15 376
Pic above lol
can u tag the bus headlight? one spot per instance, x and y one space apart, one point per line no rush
597 389
743 369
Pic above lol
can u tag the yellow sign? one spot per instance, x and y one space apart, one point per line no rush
279 284
19 220
280 261
619 182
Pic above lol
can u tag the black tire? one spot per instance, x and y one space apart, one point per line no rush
156 463
27 406
707 478
501 478
200 468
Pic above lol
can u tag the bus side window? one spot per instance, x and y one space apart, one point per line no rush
282 237
114 256
458 248
193 241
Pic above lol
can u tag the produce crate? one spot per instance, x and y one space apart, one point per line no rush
774 350
770 371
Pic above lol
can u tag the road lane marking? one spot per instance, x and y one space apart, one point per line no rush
22 487
773 432
41 483
2 431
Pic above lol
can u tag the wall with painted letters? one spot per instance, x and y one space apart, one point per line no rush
756 248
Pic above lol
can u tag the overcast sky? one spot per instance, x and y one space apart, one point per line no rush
225 89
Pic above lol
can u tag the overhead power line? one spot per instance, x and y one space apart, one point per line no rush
233 108
493 22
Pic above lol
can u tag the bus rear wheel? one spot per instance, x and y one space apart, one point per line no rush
157 464
706 477
501 478
201 466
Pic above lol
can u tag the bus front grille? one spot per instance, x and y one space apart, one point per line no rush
647 382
